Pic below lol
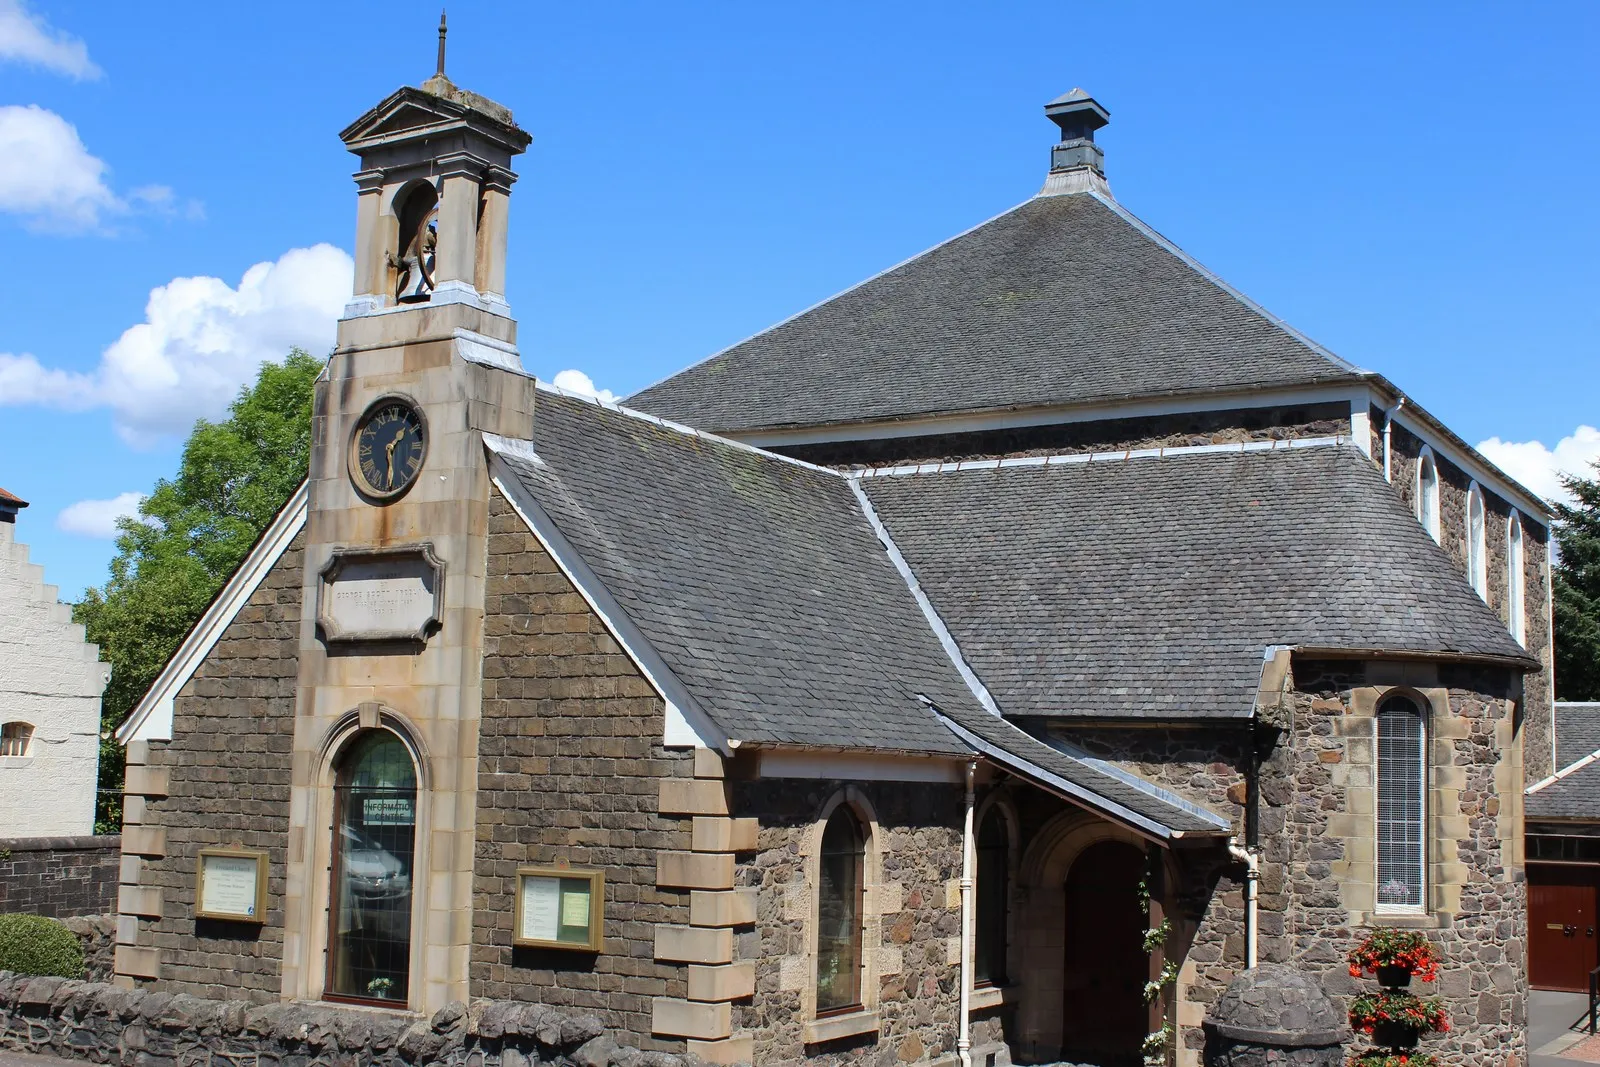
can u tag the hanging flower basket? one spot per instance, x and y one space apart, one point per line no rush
1393 1059
1395 956
1397 1018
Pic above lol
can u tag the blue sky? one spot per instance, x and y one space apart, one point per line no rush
1415 189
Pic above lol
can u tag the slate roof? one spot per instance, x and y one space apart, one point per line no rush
1577 730
1062 300
759 580
1151 587
1577 794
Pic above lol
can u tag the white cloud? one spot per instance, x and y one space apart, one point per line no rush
1539 468
28 38
200 342
98 518
47 176
575 381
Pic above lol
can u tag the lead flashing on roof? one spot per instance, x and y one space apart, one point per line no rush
1064 458
1562 773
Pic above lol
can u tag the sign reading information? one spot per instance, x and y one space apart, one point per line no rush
231 884
559 908
391 594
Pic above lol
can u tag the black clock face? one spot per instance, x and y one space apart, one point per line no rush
388 448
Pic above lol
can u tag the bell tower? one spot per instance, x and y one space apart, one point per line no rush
395 553
435 186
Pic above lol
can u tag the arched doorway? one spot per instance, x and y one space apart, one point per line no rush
1105 970
374 845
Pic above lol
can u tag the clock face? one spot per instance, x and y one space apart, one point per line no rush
388 448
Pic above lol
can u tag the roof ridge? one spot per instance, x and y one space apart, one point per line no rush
1564 772
1056 459
1195 265
676 427
724 350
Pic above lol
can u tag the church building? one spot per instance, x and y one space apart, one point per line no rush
983 666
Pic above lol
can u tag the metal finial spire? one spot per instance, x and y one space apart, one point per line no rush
442 31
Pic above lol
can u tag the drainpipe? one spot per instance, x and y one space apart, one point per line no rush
964 1033
1388 428
1251 858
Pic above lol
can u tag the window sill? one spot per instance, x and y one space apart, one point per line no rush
834 1027
1406 920
989 996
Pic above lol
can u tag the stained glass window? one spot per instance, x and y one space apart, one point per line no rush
994 891
375 798
840 895
1402 792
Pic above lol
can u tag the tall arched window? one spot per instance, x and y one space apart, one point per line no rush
841 893
375 821
1428 493
14 738
994 894
1516 602
1477 555
1402 803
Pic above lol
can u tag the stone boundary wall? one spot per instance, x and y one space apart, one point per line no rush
105 1024
59 877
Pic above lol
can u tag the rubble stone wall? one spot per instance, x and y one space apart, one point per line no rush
1157 431
565 708
59 876
1454 483
914 913
100 1023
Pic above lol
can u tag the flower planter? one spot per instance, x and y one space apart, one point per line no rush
1394 1035
1393 976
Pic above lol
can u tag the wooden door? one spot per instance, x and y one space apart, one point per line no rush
1104 1013
1563 946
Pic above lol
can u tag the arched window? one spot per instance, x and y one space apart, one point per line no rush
1428 493
375 821
994 895
1402 803
841 893
1516 604
14 738
417 212
1477 561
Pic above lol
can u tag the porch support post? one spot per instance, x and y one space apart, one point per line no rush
1155 869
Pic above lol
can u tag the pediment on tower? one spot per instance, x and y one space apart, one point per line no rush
436 108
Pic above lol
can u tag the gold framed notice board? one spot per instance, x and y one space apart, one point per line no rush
559 908
231 884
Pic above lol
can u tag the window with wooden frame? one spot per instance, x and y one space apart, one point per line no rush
1428 493
841 900
1477 551
15 738
1516 595
1402 782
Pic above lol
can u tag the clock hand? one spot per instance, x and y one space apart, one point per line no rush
388 458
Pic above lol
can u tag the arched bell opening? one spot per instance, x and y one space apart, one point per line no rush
416 209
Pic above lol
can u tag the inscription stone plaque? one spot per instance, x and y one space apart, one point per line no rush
387 594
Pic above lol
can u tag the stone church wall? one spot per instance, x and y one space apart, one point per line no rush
222 781
914 913
1189 428
1538 729
1320 783
570 771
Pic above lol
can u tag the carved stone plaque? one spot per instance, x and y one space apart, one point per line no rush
386 594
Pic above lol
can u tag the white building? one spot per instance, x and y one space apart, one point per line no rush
50 685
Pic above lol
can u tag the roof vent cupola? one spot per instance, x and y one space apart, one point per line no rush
1077 164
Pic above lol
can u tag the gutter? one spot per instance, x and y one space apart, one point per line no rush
1527 663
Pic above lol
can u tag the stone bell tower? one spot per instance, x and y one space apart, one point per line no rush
395 551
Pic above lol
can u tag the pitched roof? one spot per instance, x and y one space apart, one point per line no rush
759 580
764 586
1062 300
1152 587
12 500
1577 730
1576 795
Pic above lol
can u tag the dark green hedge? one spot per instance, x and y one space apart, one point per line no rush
32 944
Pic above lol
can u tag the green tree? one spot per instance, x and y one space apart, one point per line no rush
1576 585
190 535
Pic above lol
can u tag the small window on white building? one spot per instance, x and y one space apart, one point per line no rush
1477 557
1428 493
1516 606
14 738
1402 804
